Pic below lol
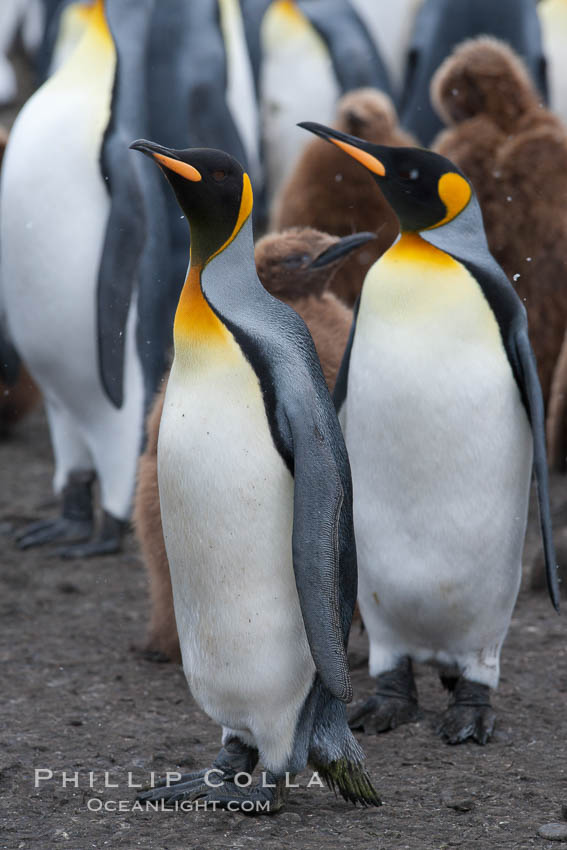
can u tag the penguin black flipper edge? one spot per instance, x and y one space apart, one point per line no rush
340 390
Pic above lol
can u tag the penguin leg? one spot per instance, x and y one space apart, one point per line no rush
226 783
107 542
76 520
469 714
394 703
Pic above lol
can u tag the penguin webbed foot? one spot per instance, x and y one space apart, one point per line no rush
393 704
216 784
107 542
469 715
53 530
266 797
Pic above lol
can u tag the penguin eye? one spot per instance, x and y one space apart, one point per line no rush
293 261
219 175
411 174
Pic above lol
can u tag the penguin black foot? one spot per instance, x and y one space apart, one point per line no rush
394 703
107 542
469 714
216 785
52 530
76 521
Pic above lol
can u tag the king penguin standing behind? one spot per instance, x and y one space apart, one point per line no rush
80 260
442 412
256 507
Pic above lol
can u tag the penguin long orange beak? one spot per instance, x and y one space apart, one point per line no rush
341 248
349 144
167 159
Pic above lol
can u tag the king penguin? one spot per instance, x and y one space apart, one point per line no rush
80 258
256 506
442 411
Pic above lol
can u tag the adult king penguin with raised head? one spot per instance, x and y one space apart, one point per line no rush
442 411
256 506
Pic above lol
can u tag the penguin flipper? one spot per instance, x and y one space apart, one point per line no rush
123 245
527 377
340 390
319 497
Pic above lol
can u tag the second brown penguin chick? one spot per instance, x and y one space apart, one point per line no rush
333 193
514 151
295 266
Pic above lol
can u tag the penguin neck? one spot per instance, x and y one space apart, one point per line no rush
197 328
412 247
94 53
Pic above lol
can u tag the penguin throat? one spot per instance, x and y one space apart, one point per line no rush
196 324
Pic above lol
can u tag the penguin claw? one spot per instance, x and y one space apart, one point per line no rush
49 531
461 722
380 714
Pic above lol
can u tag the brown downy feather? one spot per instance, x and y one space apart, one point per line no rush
330 191
282 261
18 400
514 151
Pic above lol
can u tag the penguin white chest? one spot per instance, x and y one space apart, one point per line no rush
440 449
227 509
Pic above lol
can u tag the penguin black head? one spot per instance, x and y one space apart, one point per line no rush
212 189
424 189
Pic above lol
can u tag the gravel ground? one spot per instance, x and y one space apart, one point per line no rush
78 698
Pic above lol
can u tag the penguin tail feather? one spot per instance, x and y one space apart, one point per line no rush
351 780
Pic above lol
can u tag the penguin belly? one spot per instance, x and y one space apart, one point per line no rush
227 510
441 455
297 79
55 208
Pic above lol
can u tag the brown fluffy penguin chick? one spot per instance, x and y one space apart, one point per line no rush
18 400
283 261
514 151
331 191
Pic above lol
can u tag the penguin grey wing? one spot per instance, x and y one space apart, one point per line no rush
355 57
340 390
528 380
123 245
324 554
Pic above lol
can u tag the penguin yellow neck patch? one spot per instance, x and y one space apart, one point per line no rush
455 193
411 248
196 324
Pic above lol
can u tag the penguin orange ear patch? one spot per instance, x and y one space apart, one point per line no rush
455 192
181 168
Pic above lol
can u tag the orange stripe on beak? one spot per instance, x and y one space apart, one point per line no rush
370 162
182 168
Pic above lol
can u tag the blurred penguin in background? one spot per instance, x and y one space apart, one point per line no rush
305 54
442 24
296 266
18 18
553 19
331 192
514 151
198 55
84 270
390 25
